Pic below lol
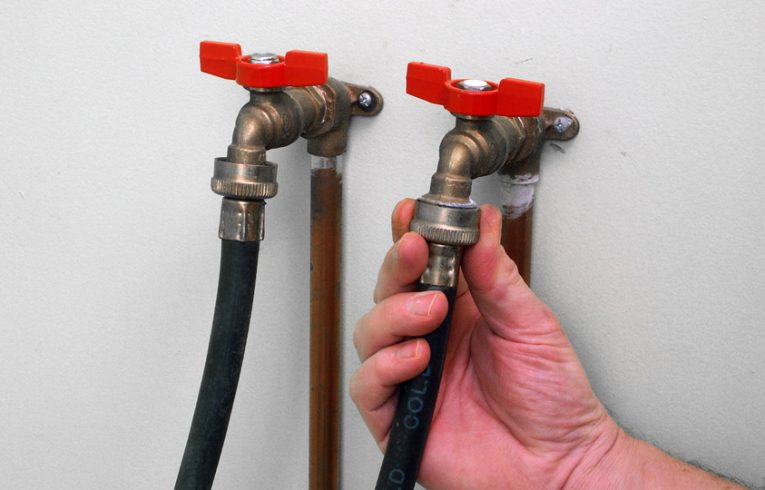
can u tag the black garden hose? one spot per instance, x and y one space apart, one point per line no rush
414 412
236 285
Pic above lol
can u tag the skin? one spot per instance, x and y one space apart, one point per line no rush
515 407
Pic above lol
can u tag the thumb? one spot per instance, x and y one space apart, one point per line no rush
511 310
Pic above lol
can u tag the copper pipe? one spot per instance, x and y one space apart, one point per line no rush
326 217
519 178
518 192
516 240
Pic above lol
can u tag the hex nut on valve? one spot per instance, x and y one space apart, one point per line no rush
264 58
474 85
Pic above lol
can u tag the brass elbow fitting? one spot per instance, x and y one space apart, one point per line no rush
474 148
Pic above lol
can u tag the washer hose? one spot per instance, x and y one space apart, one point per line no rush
233 306
414 412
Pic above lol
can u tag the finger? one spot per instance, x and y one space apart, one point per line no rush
403 264
373 385
398 317
507 304
401 217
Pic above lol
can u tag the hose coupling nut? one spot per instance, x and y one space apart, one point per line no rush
244 180
446 223
242 221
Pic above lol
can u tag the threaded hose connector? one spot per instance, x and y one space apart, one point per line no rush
243 180
446 223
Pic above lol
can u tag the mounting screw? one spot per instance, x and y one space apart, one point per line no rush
366 101
264 58
474 85
562 123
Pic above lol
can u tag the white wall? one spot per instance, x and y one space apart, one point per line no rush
648 235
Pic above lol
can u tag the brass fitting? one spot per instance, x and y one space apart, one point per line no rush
474 148
275 118
520 173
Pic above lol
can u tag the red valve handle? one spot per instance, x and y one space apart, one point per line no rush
294 69
511 98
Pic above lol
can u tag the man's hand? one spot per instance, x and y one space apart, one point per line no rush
515 408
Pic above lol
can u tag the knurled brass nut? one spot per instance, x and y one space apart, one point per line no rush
244 181
446 223
443 235
244 190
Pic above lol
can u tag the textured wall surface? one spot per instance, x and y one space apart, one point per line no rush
648 237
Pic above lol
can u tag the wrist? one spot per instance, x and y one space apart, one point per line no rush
611 462
630 463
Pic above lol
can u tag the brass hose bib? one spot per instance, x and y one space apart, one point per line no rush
290 96
479 144
499 127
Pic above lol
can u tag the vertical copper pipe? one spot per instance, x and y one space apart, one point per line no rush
518 192
516 240
326 215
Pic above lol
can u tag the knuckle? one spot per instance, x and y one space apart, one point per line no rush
390 312
547 319
361 336
353 388
378 367
356 335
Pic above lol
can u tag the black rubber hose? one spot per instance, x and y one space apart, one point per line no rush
414 411
231 322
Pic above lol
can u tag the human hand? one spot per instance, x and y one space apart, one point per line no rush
515 408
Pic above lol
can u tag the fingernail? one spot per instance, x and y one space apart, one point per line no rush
422 303
409 350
